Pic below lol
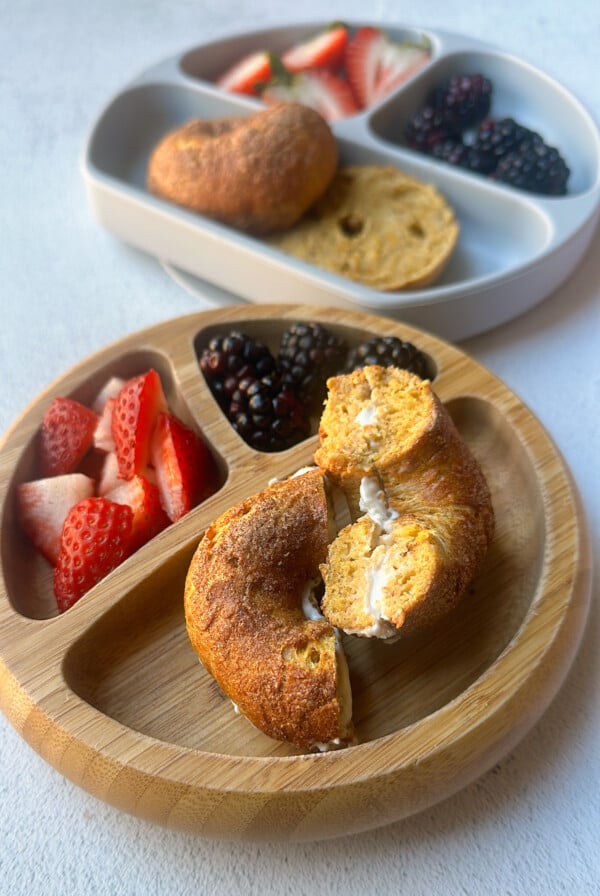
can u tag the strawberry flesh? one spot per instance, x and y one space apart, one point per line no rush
375 65
143 497
321 90
324 50
66 435
96 537
184 466
103 437
43 504
134 417
253 69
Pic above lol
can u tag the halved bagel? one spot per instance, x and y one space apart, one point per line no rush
246 597
388 441
376 226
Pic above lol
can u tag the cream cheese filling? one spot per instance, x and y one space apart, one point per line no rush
311 611
373 502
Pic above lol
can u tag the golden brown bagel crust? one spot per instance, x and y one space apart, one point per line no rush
442 518
258 173
243 608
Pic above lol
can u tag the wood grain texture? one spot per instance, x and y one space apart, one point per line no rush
111 692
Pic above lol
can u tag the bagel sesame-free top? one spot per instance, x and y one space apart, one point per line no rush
257 173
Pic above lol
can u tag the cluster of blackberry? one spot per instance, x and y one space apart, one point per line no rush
501 149
269 398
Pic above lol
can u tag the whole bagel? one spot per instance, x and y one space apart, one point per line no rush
258 173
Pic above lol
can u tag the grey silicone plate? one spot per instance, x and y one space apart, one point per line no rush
514 247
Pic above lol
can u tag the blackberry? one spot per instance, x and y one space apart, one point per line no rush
495 139
536 167
429 127
267 413
389 351
308 354
464 100
227 359
454 152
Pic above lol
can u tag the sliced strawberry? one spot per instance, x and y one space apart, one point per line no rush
324 50
323 91
375 65
96 537
66 435
136 410
43 504
243 76
184 466
143 497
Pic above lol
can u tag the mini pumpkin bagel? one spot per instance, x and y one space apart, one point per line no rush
258 173
250 619
378 227
389 443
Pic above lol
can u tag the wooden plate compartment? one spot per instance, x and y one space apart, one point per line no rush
113 696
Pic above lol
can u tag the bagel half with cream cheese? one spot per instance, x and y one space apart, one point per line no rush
422 507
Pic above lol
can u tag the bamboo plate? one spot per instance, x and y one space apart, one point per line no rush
112 695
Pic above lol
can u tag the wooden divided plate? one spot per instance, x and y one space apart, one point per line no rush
112 695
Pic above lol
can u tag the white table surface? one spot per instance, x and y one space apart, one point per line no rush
67 288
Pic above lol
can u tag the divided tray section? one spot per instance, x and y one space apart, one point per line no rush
112 694
505 234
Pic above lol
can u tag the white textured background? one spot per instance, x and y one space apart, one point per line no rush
67 288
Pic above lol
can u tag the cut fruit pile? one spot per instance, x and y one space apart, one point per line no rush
455 126
112 476
336 72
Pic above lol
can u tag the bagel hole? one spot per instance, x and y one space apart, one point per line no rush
416 230
351 225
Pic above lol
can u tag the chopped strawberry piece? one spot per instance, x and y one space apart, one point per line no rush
109 474
184 466
43 504
375 65
329 95
110 389
143 497
324 50
136 410
66 435
96 537
243 76
103 437
92 464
